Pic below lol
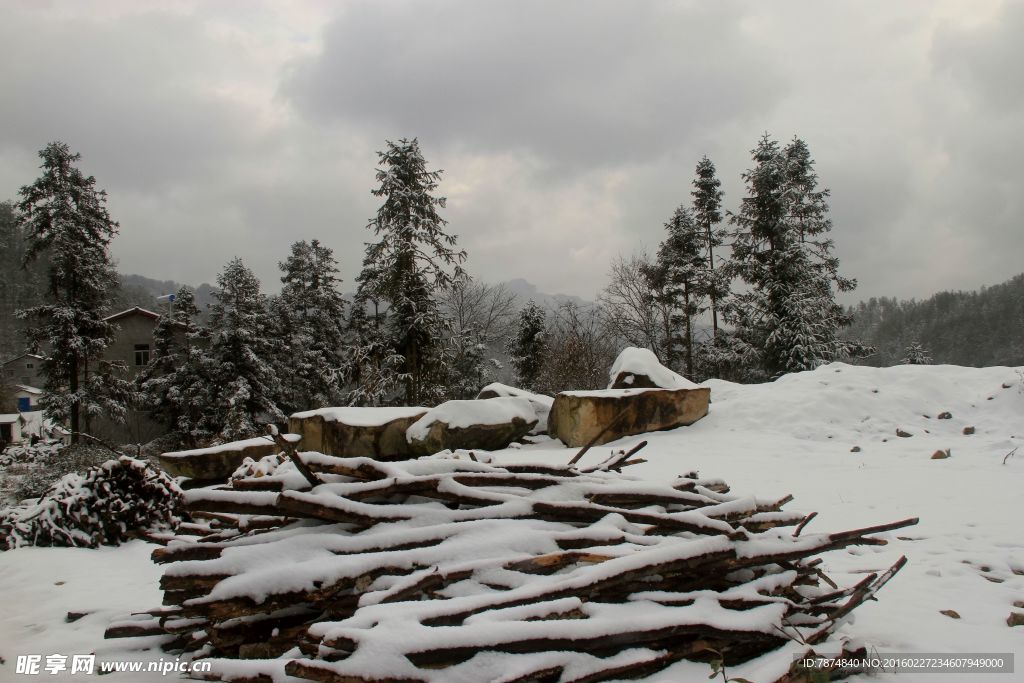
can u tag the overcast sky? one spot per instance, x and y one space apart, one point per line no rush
567 131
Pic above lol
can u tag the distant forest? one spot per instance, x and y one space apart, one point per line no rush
977 329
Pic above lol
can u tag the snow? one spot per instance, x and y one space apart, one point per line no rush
230 446
637 361
792 436
462 414
541 403
362 417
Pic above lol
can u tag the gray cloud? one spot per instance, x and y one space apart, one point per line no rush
568 131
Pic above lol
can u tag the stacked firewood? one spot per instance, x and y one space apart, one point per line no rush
449 568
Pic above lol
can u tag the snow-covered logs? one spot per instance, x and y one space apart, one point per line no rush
452 569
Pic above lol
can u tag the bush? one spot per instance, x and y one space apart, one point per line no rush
106 505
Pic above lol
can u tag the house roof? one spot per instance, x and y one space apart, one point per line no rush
11 418
135 310
27 389
24 355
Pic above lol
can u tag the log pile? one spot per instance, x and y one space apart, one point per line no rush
448 568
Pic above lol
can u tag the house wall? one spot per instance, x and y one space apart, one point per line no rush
24 370
133 330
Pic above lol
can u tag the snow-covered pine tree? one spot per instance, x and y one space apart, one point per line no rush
371 368
244 348
779 249
312 312
177 386
916 354
413 258
528 347
680 279
707 213
64 217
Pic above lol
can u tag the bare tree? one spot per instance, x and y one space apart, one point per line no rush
580 350
486 311
629 307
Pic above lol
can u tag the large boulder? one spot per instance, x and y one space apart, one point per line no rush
356 432
541 404
637 368
216 463
580 417
488 425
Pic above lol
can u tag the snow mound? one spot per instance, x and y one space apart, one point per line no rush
464 414
637 361
361 417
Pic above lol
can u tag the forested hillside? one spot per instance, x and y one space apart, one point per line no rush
976 329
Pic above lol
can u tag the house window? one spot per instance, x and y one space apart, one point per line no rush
29 366
142 354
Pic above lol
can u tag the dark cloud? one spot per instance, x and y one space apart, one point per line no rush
568 131
575 83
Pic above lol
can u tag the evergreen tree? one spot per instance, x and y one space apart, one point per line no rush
528 347
681 281
244 345
413 258
64 216
707 213
371 368
916 355
177 386
780 250
312 312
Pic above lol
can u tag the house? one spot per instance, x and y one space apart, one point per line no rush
25 398
25 369
10 428
131 348
133 341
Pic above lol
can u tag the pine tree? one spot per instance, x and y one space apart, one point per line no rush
528 347
177 386
916 354
244 346
371 368
780 250
414 258
681 281
312 312
707 213
64 217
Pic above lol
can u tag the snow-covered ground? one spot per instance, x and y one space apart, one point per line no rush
794 436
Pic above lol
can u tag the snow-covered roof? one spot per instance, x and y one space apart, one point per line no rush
135 310
10 418
27 389
24 355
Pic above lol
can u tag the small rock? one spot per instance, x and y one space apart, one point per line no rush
951 613
1007 385
940 455
1018 603
968 431
855 449
58 583
74 616
945 415
902 434
1015 619
990 398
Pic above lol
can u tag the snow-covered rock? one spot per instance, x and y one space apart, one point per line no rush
541 403
356 432
637 368
216 463
488 425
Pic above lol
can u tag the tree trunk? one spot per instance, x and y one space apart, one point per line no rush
688 333
73 386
